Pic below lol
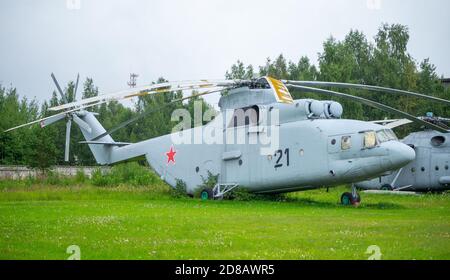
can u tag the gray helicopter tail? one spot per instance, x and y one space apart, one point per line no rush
102 147
100 142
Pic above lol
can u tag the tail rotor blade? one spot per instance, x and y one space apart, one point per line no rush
66 151
63 96
76 87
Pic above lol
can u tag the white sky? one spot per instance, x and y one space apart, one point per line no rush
184 40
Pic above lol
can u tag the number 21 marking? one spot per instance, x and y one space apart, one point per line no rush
280 157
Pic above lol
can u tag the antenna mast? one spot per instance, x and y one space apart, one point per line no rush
132 82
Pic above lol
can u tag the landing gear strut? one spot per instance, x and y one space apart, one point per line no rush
352 198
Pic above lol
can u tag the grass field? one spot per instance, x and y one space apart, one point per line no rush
40 222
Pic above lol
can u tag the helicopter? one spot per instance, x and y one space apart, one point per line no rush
429 172
262 140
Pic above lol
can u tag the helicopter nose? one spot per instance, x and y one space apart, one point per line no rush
399 154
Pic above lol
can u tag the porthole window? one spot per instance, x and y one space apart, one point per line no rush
423 169
446 167
437 168
346 142
197 169
301 152
437 141
333 142
240 162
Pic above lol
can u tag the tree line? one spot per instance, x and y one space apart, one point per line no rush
384 61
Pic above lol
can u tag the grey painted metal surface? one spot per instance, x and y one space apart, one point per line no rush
314 150
428 172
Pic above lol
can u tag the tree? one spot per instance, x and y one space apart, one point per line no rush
239 71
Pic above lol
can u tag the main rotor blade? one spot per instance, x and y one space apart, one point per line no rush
280 91
145 113
392 123
84 125
63 96
55 115
371 104
150 89
51 120
66 150
366 87
76 87
36 121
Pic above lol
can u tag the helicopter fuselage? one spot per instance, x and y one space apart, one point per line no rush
266 147
428 172
310 155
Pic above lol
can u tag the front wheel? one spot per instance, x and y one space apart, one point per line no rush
348 199
206 194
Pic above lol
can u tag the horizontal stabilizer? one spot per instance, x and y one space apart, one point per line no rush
105 143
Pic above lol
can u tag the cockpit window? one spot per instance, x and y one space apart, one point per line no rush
382 136
392 134
346 142
370 139
385 135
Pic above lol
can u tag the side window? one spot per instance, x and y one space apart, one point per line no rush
346 142
370 139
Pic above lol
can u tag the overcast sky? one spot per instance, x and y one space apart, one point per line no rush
180 40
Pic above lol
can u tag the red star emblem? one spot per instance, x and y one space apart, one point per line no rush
171 155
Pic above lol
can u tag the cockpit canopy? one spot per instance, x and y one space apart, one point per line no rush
373 138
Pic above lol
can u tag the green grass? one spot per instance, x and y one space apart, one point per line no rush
39 221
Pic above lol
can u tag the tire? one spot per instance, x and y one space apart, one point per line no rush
348 199
386 187
206 194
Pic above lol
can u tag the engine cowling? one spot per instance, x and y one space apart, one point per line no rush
325 109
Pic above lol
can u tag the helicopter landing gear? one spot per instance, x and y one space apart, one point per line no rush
221 189
386 187
206 194
352 198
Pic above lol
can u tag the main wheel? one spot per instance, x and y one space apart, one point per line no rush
206 194
348 199
386 187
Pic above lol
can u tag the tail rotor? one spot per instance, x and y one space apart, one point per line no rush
69 115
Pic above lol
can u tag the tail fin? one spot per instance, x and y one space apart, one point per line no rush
100 143
102 148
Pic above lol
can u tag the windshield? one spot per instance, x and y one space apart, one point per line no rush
385 135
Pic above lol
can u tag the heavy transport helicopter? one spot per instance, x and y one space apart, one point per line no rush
309 145
429 172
